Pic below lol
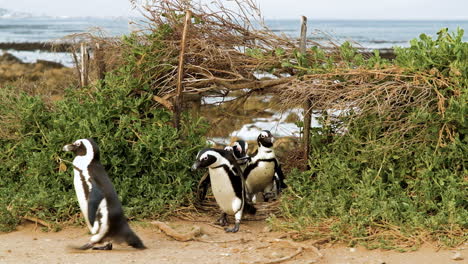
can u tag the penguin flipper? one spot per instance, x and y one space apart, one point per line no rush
95 198
279 177
203 185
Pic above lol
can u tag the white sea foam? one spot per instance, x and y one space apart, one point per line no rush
64 58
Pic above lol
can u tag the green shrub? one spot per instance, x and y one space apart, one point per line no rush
393 189
147 159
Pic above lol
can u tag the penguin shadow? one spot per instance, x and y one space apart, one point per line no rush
74 249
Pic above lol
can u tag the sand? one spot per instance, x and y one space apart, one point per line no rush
29 244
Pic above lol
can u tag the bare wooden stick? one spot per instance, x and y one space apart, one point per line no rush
295 244
308 103
163 102
84 64
37 221
77 65
279 260
100 63
176 235
180 72
242 240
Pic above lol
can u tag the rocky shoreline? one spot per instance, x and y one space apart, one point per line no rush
34 46
43 77
387 53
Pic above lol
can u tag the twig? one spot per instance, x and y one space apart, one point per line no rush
176 235
37 221
278 260
295 244
242 240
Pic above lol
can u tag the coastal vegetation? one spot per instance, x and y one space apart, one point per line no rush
387 167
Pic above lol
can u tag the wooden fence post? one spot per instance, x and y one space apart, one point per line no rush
180 72
84 65
100 63
308 103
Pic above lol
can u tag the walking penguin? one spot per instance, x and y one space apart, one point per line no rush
263 173
98 199
239 149
227 184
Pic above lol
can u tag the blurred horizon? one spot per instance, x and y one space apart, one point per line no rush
385 10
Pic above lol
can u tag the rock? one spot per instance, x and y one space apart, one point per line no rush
50 64
457 256
266 229
352 250
7 58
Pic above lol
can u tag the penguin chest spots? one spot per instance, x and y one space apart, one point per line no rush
223 191
261 176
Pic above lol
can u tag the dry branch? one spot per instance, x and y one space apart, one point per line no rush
176 235
278 260
37 221
299 249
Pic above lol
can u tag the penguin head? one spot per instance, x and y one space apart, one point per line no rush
229 148
209 158
240 148
265 139
83 147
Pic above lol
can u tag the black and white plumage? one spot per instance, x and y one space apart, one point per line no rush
98 199
263 173
227 184
239 149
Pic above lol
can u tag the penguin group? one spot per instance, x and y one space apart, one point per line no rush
236 178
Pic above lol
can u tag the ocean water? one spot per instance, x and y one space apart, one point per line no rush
38 29
371 34
368 33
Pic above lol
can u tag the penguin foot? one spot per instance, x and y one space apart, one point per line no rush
107 246
222 221
86 246
269 195
234 229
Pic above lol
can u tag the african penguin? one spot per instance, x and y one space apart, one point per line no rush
263 173
227 184
98 199
239 149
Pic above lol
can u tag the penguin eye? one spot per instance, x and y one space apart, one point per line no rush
262 136
205 158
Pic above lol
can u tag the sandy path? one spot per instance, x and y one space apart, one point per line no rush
31 245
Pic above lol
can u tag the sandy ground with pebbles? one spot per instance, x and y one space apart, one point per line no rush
252 244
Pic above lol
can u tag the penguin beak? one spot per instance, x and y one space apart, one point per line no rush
69 147
239 148
195 166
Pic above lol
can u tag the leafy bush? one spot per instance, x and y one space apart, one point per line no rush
146 158
393 189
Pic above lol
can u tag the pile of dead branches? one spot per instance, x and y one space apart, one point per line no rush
219 45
